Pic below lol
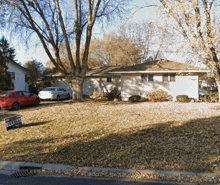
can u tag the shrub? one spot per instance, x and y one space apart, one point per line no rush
158 95
96 95
114 94
211 97
135 98
182 98
85 96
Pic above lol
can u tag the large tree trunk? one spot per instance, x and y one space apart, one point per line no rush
218 84
76 86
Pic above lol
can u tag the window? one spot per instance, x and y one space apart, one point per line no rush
7 94
109 79
12 75
150 78
49 89
18 94
172 77
165 77
143 78
26 93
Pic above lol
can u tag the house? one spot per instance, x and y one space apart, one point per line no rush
173 77
101 79
97 79
18 75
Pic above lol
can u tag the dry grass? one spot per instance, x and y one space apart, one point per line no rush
163 136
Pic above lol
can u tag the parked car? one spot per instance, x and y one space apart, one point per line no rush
202 93
16 99
51 93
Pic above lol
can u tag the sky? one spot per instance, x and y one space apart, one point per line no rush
34 51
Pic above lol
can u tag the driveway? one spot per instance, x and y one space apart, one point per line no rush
6 113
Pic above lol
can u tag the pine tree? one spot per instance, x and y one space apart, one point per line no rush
5 78
7 51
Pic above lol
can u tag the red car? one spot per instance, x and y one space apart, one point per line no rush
16 99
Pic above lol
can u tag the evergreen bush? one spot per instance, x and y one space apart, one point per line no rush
135 98
114 94
182 98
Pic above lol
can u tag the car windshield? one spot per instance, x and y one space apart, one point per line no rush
49 89
6 94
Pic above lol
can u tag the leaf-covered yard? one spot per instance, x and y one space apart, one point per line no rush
164 136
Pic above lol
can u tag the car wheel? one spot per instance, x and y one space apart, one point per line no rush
68 96
15 106
58 98
37 102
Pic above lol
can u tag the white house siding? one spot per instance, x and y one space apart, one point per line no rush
188 85
19 82
132 85
63 84
100 84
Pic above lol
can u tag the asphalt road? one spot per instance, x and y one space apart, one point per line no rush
7 180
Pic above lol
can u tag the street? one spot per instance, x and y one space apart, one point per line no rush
7 180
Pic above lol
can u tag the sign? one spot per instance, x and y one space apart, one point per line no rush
13 122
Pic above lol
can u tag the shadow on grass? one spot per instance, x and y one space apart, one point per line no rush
192 146
35 124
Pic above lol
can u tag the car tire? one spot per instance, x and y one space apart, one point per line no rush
15 106
58 98
37 102
68 96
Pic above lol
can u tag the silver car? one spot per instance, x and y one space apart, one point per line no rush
202 93
53 93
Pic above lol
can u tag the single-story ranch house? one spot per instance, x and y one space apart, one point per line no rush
173 77
18 75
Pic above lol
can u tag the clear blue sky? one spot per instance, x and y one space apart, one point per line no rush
34 51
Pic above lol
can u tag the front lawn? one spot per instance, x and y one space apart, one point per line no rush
162 136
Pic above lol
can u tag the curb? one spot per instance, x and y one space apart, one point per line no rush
8 167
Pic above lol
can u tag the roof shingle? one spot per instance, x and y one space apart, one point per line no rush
149 66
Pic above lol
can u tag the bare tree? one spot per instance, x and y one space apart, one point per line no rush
56 24
146 35
130 44
114 50
198 22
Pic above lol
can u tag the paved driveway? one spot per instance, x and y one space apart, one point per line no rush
6 113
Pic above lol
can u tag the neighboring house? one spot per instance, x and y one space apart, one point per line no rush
207 82
18 75
173 77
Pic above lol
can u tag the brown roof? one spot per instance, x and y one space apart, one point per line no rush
160 65
101 70
95 71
